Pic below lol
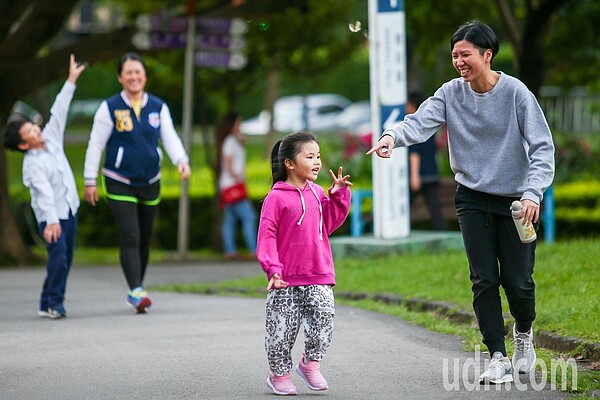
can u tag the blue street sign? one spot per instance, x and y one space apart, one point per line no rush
387 59
391 114
390 5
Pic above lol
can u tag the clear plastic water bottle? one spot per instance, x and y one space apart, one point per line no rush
526 232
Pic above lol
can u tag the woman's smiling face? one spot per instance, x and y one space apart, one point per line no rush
133 77
469 61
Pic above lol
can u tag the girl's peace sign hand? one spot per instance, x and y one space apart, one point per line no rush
340 181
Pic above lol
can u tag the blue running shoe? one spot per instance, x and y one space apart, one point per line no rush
138 299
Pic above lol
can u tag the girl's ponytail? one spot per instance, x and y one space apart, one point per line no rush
278 172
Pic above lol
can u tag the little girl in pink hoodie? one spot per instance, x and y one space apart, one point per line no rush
294 251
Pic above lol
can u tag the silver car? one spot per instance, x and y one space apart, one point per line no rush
314 112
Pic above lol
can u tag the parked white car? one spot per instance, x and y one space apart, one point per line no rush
355 119
314 112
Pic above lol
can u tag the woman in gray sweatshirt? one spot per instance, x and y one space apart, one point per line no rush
501 150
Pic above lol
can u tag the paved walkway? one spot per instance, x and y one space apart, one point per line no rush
210 347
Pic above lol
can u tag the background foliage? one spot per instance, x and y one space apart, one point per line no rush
303 46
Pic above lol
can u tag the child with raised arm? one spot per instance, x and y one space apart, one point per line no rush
294 251
54 198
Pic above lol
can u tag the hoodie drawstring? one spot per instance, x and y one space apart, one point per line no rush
303 206
304 210
320 212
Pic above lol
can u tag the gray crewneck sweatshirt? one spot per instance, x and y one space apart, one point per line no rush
499 141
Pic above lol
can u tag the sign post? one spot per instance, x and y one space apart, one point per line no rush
387 54
208 42
188 100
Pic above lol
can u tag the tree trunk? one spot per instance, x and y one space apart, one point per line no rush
23 72
531 58
12 248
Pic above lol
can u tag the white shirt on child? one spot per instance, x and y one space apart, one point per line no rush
47 172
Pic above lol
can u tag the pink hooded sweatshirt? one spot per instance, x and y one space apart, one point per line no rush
294 229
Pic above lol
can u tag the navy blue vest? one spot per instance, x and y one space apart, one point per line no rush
133 152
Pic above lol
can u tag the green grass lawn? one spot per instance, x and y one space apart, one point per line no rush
567 276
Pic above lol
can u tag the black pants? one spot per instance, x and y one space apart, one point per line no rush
496 257
133 209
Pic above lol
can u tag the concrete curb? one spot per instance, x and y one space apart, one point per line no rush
549 340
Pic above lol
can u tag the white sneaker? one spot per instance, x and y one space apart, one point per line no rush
499 371
524 357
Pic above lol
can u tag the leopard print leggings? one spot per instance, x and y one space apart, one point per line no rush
286 309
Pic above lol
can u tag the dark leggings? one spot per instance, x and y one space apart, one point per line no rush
496 258
133 209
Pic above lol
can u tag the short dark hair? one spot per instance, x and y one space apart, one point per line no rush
129 56
223 130
416 98
479 34
12 138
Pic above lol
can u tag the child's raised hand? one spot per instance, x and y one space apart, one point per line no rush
75 69
340 181
276 282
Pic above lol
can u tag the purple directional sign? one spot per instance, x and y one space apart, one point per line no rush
161 23
235 61
233 26
161 40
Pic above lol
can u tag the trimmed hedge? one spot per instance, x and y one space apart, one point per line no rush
577 214
97 229
577 210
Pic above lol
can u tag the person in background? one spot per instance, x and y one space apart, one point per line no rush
424 171
54 198
294 251
231 171
128 127
501 150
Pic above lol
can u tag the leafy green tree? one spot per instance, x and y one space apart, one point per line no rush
31 61
300 38
289 34
552 41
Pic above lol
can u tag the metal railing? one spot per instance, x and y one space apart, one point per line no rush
575 111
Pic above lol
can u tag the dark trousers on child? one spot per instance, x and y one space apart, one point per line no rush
497 258
60 258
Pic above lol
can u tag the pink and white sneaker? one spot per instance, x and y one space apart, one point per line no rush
281 385
311 373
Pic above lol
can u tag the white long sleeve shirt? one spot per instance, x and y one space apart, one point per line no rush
47 172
